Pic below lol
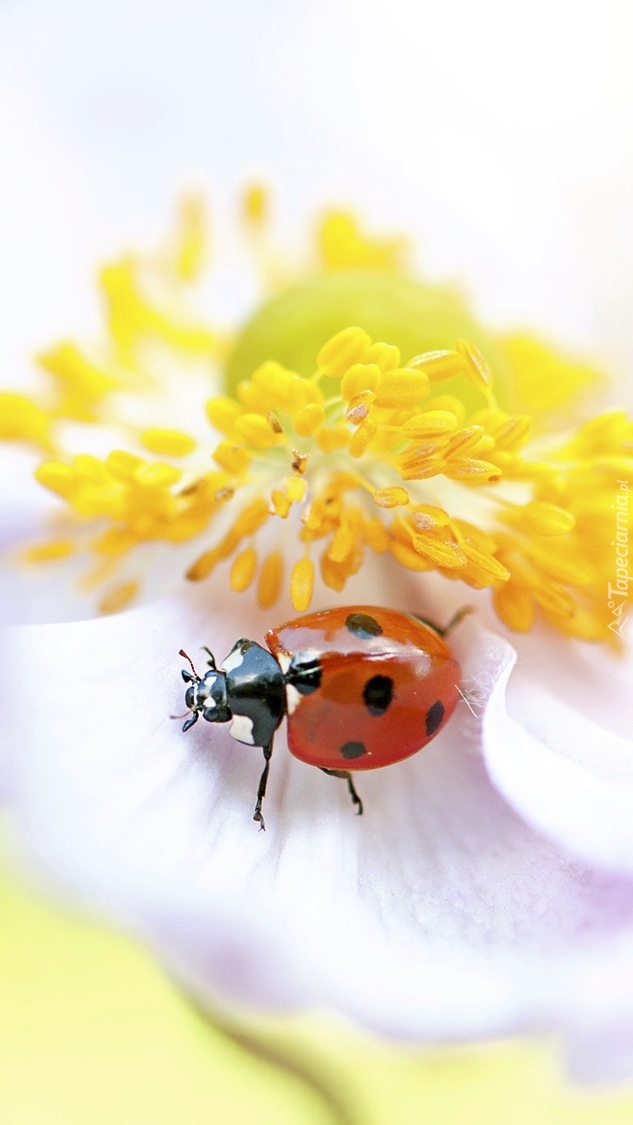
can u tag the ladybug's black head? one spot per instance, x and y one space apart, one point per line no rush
205 695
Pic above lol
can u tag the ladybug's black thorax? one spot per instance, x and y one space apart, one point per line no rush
255 693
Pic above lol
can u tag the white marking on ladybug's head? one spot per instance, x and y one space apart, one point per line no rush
241 729
233 660
293 698
283 659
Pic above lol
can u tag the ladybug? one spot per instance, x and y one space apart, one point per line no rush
362 687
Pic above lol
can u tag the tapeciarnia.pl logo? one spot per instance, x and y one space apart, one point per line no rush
618 591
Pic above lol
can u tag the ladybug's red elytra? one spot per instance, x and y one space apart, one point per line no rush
361 686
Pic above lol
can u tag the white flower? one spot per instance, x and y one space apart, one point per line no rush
440 914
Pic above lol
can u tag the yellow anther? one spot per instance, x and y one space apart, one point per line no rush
344 245
302 584
342 543
234 458
543 518
477 369
330 438
453 405
416 458
362 438
471 471
58 477
402 388
82 378
280 503
470 533
256 431
203 565
601 433
556 601
243 569
439 365
442 552
387 356
270 579
376 535
341 351
359 407
156 474
424 517
49 551
123 465
515 605
255 204
514 433
568 571
90 468
390 497
492 568
406 556
23 420
466 440
334 574
191 239
432 423
296 488
251 518
119 598
168 443
307 420
115 541
358 378
223 414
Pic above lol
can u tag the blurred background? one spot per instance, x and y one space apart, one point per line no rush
500 137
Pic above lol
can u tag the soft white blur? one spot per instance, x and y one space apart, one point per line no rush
500 133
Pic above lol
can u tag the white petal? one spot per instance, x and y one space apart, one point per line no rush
437 914
568 777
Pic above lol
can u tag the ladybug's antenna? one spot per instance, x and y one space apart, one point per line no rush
455 620
181 652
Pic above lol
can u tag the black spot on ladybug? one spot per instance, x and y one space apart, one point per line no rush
304 672
363 626
434 717
377 694
351 750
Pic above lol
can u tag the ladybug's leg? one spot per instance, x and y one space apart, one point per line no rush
261 791
346 775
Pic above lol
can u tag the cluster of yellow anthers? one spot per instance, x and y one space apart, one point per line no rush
140 298
388 464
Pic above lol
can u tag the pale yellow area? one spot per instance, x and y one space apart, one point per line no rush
91 1031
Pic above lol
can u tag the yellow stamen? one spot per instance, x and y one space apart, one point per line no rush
118 598
270 579
344 350
308 419
390 497
540 530
256 204
358 379
302 584
49 551
477 369
168 443
439 365
243 569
